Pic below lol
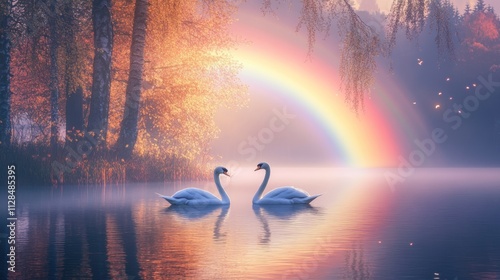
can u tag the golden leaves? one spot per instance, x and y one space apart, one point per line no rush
189 76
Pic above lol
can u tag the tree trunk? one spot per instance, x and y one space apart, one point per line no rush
128 130
54 81
5 124
101 79
72 73
74 116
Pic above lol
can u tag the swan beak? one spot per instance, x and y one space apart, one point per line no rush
258 168
225 173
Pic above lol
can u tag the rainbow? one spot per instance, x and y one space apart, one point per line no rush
275 63
276 60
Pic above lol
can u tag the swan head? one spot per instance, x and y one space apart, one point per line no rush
221 170
262 165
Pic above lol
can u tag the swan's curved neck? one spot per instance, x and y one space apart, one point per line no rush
259 192
223 194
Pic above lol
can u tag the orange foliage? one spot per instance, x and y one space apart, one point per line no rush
30 76
481 31
478 46
188 75
30 95
483 27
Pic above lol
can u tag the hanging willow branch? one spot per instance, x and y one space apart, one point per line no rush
411 15
408 15
360 44
441 18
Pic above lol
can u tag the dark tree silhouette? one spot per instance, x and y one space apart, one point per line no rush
480 6
5 94
101 79
54 74
467 9
72 76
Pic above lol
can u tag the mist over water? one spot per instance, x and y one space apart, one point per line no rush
394 217
437 221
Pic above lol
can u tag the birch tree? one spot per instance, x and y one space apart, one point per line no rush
128 128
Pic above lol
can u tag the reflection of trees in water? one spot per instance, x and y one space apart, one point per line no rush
95 229
127 230
74 242
356 267
73 245
101 234
47 239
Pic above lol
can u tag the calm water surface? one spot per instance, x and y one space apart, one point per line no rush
427 227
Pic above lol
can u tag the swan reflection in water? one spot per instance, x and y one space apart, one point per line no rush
200 213
266 213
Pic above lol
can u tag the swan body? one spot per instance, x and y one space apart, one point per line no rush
282 195
198 197
286 195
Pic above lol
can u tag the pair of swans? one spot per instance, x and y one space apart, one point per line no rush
283 195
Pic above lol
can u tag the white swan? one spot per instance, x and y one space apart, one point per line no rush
198 197
283 195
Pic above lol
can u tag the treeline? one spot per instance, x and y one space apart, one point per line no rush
94 91
440 74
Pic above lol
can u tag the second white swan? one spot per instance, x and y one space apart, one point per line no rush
198 197
283 195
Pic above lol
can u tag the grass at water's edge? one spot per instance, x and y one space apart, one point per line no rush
36 166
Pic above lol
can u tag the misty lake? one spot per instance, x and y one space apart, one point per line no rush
437 224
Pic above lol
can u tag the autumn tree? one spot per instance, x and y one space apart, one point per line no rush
40 68
481 37
46 30
480 28
30 73
188 75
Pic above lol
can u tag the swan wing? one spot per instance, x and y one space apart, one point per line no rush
286 193
194 194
